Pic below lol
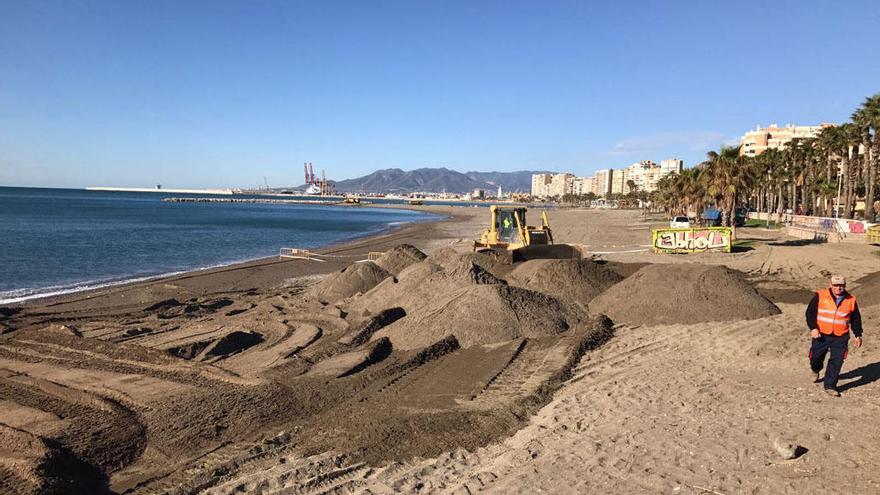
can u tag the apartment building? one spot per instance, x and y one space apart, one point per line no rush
671 166
603 182
561 184
753 143
618 181
584 185
550 185
644 176
541 185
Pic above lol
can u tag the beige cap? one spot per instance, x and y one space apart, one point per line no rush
838 280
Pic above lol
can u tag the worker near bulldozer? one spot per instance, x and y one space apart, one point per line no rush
831 315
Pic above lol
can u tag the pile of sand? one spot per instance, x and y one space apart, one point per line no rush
868 291
421 284
569 280
479 314
353 279
450 258
682 293
400 257
464 299
30 464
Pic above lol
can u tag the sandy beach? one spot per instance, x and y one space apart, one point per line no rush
437 370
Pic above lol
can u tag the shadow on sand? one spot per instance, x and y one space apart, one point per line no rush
797 242
866 374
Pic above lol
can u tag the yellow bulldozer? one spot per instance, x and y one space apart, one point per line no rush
510 237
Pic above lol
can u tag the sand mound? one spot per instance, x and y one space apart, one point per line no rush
410 289
449 258
400 257
569 280
355 278
479 314
868 291
682 293
30 464
420 284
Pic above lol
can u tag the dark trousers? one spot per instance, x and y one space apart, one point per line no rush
838 347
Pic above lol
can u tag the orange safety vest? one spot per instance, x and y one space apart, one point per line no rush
831 318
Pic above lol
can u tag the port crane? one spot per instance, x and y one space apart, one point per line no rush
314 185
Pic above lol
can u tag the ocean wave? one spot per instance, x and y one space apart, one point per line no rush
28 294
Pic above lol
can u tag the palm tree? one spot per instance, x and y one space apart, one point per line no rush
830 146
631 185
796 155
867 119
728 178
850 138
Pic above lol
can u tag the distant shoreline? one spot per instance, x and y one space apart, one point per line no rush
160 190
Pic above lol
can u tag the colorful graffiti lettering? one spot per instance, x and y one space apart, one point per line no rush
692 240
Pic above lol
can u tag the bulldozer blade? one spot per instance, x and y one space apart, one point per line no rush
547 251
501 255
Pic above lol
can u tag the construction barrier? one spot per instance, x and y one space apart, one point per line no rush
305 254
874 235
691 240
298 254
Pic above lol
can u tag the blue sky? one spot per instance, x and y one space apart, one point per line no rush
221 94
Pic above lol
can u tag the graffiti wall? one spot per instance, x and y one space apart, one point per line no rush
691 240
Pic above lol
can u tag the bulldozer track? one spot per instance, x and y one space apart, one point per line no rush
509 379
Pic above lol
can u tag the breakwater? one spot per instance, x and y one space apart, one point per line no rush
160 190
264 201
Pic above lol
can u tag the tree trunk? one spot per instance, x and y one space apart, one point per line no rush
814 203
845 177
779 205
873 157
760 204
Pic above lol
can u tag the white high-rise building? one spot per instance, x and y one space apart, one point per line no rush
584 185
671 166
561 184
541 185
753 143
603 182
618 181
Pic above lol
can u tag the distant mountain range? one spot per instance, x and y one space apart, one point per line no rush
397 181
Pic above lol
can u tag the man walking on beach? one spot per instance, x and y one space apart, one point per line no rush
831 315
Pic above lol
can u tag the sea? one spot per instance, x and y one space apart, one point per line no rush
58 241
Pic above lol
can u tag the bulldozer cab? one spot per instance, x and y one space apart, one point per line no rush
506 224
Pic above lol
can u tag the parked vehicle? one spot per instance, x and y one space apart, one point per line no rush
680 223
712 217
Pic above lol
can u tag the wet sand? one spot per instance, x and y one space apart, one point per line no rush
450 374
